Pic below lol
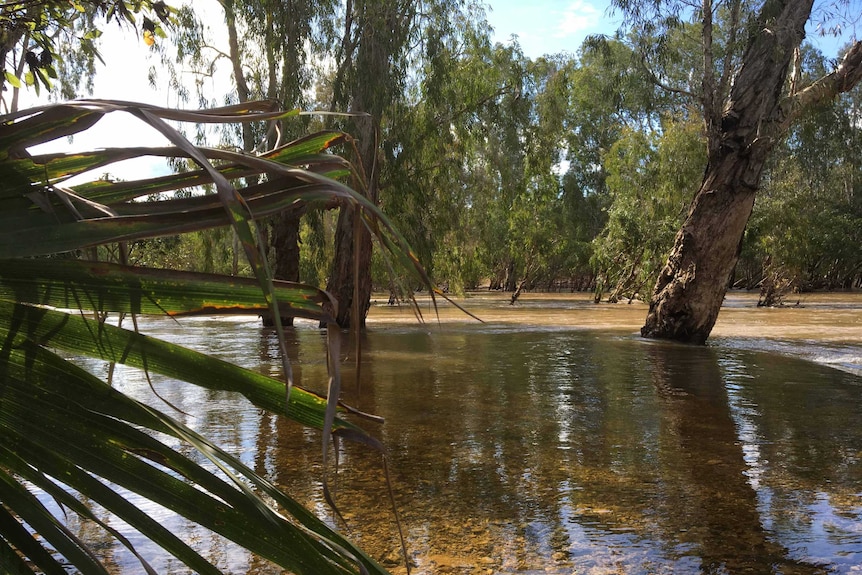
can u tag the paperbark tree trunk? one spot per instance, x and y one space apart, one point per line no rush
691 287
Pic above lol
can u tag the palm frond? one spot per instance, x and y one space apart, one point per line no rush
71 435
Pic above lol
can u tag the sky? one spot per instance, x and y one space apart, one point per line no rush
550 26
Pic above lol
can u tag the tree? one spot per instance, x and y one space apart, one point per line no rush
46 41
649 178
371 66
804 231
267 46
747 110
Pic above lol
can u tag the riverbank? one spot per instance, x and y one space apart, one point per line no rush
829 317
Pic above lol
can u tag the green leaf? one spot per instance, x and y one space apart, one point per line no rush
75 334
108 287
95 436
12 79
33 512
60 423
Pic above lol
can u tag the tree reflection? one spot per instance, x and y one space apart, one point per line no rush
710 502
555 452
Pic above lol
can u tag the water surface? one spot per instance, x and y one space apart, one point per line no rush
552 439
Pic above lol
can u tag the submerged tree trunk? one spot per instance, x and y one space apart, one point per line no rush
690 289
287 27
350 280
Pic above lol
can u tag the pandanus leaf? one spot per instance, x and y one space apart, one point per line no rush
66 431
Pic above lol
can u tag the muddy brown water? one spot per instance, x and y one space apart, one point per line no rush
552 439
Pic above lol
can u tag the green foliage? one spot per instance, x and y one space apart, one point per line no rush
55 40
805 229
651 178
66 431
497 166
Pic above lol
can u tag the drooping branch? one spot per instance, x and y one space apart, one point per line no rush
653 77
730 49
242 90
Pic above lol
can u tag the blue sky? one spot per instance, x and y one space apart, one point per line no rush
550 26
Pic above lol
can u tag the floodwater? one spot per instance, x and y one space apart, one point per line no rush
551 439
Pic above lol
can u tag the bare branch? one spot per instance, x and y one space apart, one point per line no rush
843 79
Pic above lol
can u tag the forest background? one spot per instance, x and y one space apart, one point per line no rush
566 171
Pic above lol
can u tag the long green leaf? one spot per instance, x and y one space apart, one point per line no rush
59 466
118 452
45 238
99 440
104 287
13 532
40 125
32 512
78 335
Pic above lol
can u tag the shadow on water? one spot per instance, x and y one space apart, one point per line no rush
713 504
559 451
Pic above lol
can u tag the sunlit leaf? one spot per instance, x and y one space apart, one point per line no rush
12 79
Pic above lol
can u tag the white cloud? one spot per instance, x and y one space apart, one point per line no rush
578 18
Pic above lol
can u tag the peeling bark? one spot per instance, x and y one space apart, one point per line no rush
691 287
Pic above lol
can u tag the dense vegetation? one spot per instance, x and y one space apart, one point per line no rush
568 171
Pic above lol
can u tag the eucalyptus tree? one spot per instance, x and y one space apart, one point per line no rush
427 185
269 47
484 106
389 55
650 177
611 98
55 44
805 228
370 69
748 105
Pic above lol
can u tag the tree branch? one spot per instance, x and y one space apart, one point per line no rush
655 80
712 97
843 79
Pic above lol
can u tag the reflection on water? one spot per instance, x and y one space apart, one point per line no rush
531 445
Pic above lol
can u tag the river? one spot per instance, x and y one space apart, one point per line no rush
552 439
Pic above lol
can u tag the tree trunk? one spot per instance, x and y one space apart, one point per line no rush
691 287
285 32
370 48
285 243
341 283
352 261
